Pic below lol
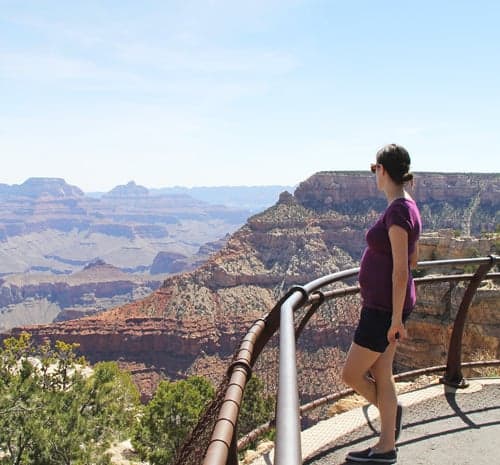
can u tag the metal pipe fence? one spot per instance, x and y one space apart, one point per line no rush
222 446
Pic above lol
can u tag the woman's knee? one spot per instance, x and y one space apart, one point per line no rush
359 361
351 376
384 379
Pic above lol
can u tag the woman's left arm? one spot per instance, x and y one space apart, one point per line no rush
414 257
399 246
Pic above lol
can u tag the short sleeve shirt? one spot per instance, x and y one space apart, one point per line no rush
375 275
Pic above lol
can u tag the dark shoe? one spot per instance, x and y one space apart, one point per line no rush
368 455
399 422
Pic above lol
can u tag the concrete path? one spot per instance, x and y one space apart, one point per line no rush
442 426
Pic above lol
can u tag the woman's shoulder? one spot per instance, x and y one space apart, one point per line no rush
402 211
406 202
401 203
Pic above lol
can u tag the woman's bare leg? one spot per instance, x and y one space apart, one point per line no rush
386 398
360 361
381 392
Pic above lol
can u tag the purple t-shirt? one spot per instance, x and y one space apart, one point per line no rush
375 274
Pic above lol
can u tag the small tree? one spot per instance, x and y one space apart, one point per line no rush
169 417
257 407
21 414
50 413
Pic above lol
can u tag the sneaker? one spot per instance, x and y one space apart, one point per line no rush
399 422
368 455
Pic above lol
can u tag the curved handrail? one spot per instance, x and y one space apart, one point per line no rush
222 448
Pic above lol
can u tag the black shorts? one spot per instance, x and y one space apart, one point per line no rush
373 325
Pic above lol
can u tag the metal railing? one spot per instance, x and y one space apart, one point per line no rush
223 446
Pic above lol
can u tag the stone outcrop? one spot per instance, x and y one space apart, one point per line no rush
446 244
431 323
195 321
168 262
466 202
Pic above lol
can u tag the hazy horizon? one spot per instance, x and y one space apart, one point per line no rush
238 186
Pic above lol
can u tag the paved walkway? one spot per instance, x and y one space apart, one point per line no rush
442 426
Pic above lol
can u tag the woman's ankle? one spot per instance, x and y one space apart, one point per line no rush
383 447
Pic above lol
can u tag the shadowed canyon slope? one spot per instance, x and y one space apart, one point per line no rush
195 320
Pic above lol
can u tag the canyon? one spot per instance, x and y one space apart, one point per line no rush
49 226
195 320
51 232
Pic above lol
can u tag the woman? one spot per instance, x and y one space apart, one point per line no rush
388 296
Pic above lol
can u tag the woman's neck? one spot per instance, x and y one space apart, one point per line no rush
394 192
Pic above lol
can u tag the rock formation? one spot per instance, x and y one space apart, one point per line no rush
171 262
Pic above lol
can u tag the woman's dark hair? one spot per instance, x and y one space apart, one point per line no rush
396 160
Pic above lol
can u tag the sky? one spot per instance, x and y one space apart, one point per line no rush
257 92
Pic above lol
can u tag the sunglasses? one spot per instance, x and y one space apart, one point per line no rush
374 166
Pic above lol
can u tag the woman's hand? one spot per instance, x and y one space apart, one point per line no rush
397 332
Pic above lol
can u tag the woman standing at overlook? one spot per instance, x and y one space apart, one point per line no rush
388 297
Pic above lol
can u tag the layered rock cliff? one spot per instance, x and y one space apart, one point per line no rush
195 320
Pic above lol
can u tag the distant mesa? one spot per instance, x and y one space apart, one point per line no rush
211 247
130 189
98 262
173 262
100 270
168 262
49 226
42 187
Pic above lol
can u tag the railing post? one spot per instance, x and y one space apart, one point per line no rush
453 376
288 449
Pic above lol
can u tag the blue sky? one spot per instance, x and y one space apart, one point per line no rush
203 93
